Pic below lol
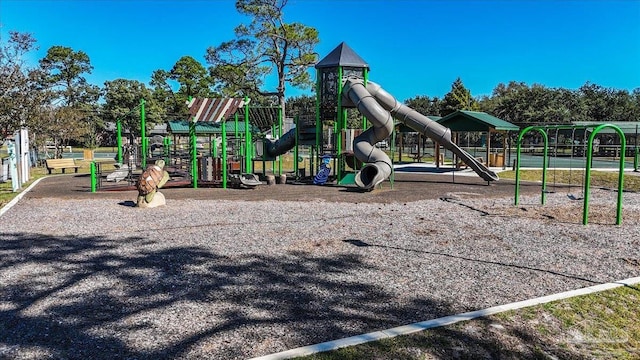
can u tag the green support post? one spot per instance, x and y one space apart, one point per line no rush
119 140
273 162
312 158
247 138
280 124
635 156
587 174
235 129
143 135
342 125
194 153
296 166
544 163
94 177
223 162
193 144
635 160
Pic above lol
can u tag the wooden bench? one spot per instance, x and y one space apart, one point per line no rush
63 164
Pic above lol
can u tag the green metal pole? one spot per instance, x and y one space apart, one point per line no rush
223 163
193 144
235 129
635 157
587 175
341 120
517 185
247 137
94 181
273 162
237 148
280 124
544 163
296 166
312 158
119 140
143 135
194 154
623 151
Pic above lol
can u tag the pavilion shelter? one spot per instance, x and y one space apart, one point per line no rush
483 123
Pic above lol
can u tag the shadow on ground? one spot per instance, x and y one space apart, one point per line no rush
83 297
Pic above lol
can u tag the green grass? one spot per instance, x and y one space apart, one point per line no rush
576 177
604 325
6 189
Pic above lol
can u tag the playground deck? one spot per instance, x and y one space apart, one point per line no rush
408 186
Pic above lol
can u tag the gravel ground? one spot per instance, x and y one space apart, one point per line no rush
98 278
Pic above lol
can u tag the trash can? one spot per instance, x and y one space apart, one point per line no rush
496 160
87 154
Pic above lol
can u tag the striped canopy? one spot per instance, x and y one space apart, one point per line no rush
213 110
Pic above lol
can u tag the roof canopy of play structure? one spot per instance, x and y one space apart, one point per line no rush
215 110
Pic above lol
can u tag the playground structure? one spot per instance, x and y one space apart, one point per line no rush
381 108
588 151
239 135
235 140
233 147
342 84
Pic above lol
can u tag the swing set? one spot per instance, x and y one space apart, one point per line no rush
573 150
543 130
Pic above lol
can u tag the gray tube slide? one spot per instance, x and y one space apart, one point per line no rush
423 125
378 166
278 147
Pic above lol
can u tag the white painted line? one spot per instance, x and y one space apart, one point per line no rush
447 320
15 200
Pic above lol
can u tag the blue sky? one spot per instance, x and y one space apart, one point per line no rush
413 47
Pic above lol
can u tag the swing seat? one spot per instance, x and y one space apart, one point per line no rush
573 197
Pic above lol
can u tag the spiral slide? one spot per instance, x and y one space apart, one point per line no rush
380 108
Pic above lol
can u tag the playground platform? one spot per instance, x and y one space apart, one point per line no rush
412 182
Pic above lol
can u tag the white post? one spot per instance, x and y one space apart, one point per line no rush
22 155
25 161
13 168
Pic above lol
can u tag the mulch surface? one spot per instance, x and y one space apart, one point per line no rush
406 187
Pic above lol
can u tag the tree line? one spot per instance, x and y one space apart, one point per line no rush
536 104
56 102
